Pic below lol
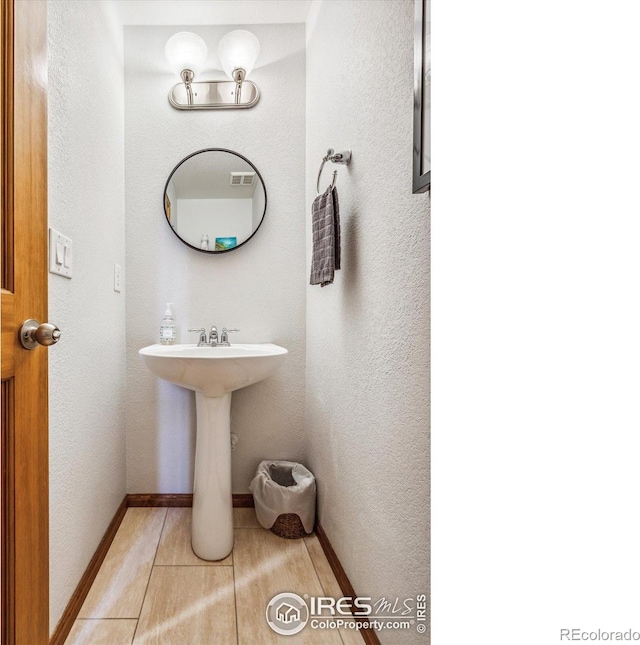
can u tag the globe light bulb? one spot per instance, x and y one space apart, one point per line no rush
185 50
238 50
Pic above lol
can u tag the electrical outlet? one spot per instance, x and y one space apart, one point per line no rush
117 278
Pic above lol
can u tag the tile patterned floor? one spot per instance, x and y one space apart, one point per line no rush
153 590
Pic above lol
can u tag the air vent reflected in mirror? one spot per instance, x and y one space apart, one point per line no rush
242 178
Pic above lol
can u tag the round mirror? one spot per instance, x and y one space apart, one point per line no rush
215 200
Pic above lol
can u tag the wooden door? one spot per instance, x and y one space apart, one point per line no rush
24 445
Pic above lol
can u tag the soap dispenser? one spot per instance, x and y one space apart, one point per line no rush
168 327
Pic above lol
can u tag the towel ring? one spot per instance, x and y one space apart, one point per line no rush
343 158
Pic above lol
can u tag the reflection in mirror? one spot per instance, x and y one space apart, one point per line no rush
426 96
215 200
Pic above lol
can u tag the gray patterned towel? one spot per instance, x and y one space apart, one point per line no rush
325 227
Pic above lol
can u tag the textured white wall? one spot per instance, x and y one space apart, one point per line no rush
87 367
259 288
367 393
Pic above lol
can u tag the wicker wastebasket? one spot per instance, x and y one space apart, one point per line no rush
288 525
284 493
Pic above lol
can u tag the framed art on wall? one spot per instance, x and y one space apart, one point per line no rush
422 98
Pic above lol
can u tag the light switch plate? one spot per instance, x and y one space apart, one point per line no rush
117 278
60 254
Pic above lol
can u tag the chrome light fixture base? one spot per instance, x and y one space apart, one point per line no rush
214 95
187 78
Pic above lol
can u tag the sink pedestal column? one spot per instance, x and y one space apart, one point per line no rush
212 518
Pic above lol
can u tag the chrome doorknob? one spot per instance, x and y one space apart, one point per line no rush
32 334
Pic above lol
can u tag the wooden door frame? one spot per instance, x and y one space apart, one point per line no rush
24 413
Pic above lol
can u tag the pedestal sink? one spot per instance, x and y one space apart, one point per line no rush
213 373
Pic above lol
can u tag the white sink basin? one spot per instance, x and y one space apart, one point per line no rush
213 373
213 370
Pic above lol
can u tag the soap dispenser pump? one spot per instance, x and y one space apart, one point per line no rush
168 327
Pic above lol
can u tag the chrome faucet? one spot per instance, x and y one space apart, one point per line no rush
213 337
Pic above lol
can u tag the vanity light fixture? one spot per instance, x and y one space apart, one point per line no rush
238 51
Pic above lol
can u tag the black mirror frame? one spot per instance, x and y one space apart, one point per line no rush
193 154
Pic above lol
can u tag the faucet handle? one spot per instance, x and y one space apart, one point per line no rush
203 334
225 334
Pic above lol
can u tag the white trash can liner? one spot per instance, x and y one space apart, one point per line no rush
281 487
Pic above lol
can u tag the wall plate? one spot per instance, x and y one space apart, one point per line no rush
60 254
